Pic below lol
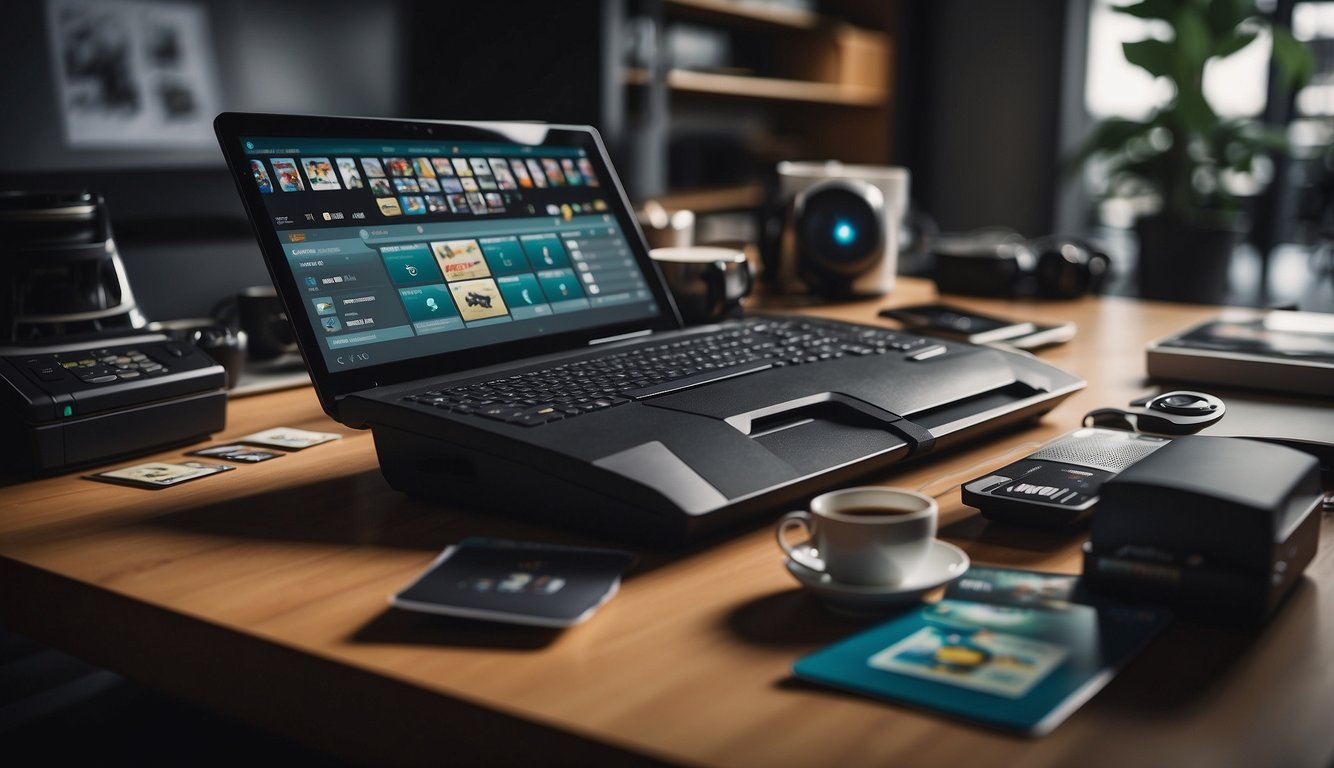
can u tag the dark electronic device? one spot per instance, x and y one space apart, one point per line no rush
1220 527
1002 263
838 229
72 404
974 327
577 395
1058 485
60 273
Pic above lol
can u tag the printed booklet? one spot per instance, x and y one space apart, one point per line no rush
1018 650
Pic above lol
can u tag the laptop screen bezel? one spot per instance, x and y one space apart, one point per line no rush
331 385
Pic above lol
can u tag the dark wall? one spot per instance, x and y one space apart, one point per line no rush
978 110
176 215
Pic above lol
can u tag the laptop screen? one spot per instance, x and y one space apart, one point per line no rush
404 248
412 249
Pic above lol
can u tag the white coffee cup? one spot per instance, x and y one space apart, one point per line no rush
869 536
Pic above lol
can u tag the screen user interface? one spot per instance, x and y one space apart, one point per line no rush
408 248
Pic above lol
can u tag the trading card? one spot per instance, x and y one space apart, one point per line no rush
372 166
159 474
517 582
422 165
290 438
289 178
442 166
389 206
321 173
261 176
237 453
347 167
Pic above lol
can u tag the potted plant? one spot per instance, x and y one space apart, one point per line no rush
1184 154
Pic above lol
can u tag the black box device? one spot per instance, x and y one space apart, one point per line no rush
73 404
1221 527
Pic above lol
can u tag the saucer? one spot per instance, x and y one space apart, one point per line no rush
944 563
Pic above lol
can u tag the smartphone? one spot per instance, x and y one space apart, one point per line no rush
958 323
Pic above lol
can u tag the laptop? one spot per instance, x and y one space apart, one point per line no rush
480 296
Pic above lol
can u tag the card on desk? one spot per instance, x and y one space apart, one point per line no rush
517 582
1019 650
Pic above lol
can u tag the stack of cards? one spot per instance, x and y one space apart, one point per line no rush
159 474
517 582
290 438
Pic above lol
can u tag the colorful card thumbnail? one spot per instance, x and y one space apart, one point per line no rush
478 299
554 175
413 205
572 176
586 168
262 179
347 168
460 259
389 206
500 168
407 184
521 173
442 166
462 167
381 188
321 173
422 165
539 177
398 166
289 178
372 167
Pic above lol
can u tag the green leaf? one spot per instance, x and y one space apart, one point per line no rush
1293 59
1233 43
1109 137
1149 9
1224 15
1196 114
1153 56
1193 44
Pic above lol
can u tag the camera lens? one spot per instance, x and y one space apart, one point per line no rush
839 228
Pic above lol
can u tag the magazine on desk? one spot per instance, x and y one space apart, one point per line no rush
1274 350
1018 650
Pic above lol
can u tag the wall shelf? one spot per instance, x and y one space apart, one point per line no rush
772 88
741 12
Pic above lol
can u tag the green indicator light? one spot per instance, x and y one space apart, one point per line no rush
69 411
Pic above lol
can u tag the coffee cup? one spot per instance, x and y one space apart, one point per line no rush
707 282
257 313
869 536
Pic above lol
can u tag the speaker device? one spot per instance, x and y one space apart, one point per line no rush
834 229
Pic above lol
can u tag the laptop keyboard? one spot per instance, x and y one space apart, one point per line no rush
572 389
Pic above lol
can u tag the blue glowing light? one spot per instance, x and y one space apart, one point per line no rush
844 233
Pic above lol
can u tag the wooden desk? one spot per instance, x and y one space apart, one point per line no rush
262 593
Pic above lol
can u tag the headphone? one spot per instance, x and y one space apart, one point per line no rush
1002 263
